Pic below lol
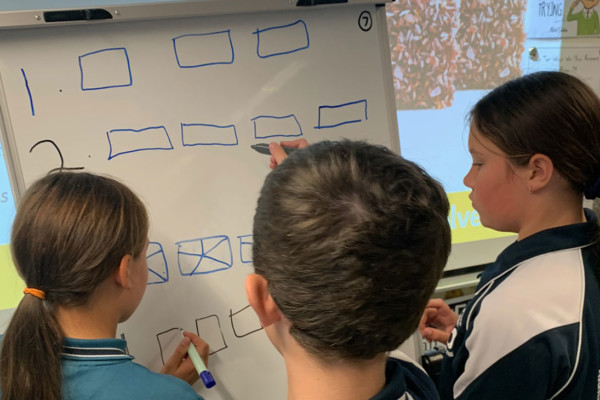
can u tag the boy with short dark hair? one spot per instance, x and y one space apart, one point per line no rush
350 241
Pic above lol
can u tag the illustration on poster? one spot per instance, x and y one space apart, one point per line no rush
587 18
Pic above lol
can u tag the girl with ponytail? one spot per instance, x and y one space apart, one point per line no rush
79 242
532 330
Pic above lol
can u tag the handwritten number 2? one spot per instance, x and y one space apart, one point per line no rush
62 161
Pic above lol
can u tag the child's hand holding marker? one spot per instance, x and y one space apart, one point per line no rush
180 364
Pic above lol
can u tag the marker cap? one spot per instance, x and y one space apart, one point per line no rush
207 379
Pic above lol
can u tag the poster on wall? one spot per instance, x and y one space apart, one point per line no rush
562 19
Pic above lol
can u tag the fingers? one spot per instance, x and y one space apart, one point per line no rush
187 371
433 311
277 155
437 303
437 322
272 163
176 358
435 335
179 364
200 345
296 144
445 317
426 319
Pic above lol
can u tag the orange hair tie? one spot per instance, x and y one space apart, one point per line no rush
35 293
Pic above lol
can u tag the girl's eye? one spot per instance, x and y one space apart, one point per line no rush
477 164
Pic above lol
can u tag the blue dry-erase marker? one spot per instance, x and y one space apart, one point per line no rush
205 375
263 148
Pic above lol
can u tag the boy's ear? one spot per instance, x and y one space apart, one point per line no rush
541 170
122 272
260 299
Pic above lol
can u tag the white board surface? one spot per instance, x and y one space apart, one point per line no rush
170 107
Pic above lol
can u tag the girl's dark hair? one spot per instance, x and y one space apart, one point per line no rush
551 113
352 240
70 232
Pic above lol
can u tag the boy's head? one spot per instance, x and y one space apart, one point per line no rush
351 240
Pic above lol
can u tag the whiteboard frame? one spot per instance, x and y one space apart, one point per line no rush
11 158
131 12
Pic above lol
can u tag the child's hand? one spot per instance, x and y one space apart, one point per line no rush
277 153
437 321
180 365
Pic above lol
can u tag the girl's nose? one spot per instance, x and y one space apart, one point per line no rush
467 179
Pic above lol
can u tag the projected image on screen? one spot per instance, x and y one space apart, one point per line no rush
444 57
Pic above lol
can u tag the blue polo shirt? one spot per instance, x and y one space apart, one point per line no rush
101 369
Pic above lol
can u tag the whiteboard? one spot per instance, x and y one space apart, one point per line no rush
171 107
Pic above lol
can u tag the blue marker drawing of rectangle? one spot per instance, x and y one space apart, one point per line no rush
342 114
204 255
284 39
106 68
266 126
158 271
123 141
208 135
203 49
246 248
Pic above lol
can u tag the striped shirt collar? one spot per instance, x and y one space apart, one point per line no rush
95 349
